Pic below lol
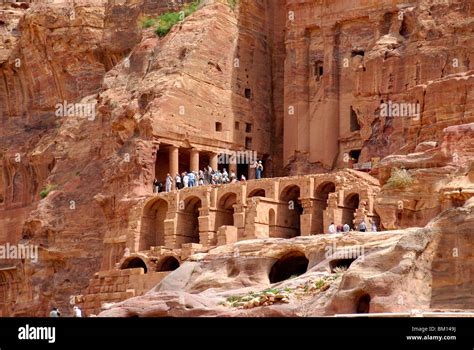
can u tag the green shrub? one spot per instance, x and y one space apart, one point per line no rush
319 283
49 187
167 20
147 22
232 3
399 179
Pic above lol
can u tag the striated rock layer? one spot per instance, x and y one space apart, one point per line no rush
278 78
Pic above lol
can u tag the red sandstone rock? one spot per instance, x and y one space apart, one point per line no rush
101 169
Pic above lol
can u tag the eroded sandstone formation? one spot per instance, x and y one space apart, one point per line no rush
397 271
345 59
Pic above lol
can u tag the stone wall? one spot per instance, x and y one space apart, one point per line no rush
114 286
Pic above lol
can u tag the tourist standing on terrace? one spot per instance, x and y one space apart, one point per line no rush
258 170
169 182
362 226
346 228
225 177
155 186
54 312
332 228
185 180
179 183
77 311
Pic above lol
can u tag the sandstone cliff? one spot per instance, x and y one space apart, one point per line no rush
240 69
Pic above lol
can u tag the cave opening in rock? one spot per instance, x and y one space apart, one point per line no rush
169 263
134 263
355 155
363 304
248 93
357 53
291 264
457 203
355 126
318 70
341 264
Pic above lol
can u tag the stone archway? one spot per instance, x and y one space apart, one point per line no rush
321 194
290 211
257 192
134 262
188 223
291 264
168 263
351 203
225 214
153 224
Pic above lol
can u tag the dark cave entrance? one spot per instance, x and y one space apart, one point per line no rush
291 264
363 304
340 263
169 263
134 263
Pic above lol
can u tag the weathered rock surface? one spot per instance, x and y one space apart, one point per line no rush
396 271
441 174
101 169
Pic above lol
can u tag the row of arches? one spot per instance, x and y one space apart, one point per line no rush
284 220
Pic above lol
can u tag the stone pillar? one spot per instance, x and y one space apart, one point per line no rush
308 219
213 161
194 160
174 163
239 220
251 168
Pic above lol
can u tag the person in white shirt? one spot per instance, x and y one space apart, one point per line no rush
186 180
77 312
332 228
